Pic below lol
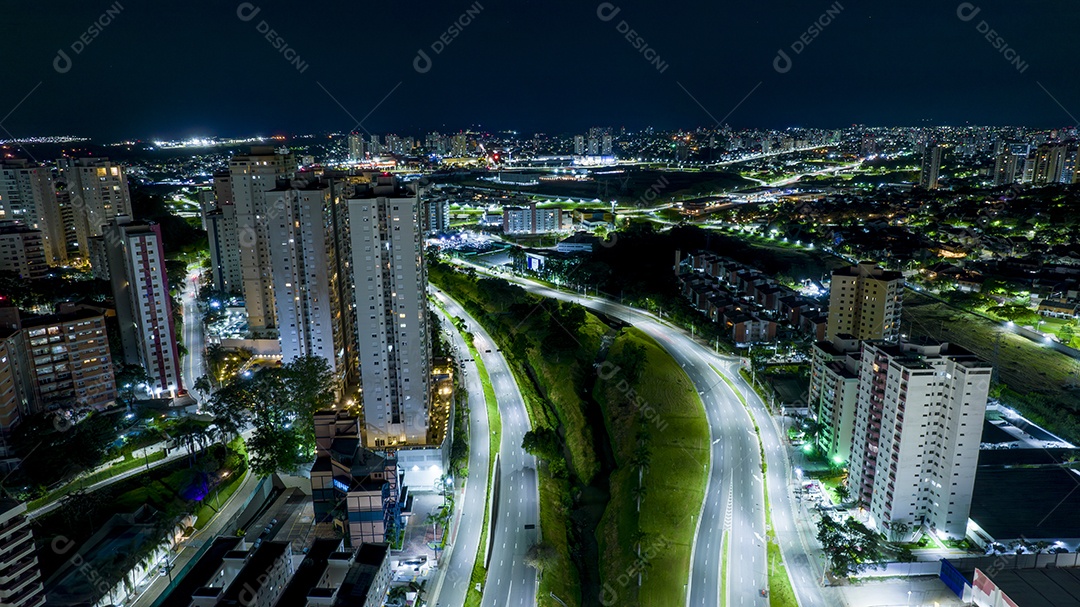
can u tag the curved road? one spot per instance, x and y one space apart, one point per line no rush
461 550
735 493
510 582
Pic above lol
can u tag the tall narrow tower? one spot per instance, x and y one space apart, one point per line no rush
390 286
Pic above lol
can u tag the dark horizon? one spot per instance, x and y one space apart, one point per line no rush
113 71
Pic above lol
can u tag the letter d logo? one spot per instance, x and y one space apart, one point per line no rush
607 11
246 11
967 11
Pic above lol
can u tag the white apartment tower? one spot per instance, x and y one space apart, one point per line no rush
223 237
28 195
865 302
390 290
834 381
250 177
303 256
915 442
97 192
143 307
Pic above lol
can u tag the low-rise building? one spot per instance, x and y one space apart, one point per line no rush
578 242
354 487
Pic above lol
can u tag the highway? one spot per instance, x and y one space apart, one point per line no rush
460 553
510 582
192 365
734 495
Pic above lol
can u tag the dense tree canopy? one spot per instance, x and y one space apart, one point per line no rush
280 405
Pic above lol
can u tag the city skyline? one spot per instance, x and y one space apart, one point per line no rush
821 65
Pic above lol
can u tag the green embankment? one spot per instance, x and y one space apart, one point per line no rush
549 348
656 423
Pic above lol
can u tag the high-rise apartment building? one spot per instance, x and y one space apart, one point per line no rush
14 403
834 381
1009 164
22 250
865 302
143 307
223 237
459 146
391 317
251 176
931 165
303 254
97 192
579 145
1046 164
60 361
356 146
436 215
28 195
915 441
20 578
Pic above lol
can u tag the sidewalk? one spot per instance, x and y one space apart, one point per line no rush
147 596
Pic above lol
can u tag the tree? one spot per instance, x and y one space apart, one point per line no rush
203 386
543 443
850 546
843 492
129 377
280 404
541 557
899 530
630 360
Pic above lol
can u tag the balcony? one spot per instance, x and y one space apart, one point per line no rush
19 567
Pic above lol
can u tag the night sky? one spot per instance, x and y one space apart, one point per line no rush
171 69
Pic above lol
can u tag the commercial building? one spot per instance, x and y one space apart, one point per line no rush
865 302
530 220
250 177
143 306
22 250
834 382
352 486
28 195
97 192
20 578
915 442
389 280
578 242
